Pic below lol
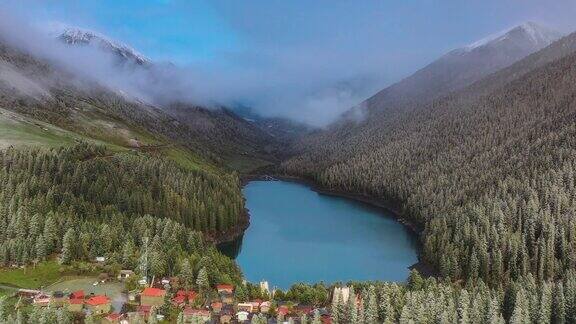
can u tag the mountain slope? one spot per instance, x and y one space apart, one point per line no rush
239 143
454 71
488 172
462 67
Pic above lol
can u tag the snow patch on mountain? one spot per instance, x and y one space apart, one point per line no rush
79 36
539 35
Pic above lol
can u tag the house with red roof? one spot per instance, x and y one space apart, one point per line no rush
78 294
225 288
99 304
179 300
282 311
216 306
152 297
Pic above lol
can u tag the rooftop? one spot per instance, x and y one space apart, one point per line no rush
98 300
153 292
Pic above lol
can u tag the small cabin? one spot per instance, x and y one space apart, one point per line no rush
245 307
99 304
125 274
191 313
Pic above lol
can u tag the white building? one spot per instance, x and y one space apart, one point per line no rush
343 292
264 287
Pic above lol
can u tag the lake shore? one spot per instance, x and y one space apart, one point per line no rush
423 267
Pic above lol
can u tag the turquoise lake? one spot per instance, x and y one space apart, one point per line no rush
299 235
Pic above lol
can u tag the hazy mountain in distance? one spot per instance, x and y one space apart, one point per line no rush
464 66
281 128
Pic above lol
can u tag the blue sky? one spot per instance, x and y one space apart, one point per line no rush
177 31
323 55
184 31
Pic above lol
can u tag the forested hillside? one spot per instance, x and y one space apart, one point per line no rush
432 301
82 202
488 175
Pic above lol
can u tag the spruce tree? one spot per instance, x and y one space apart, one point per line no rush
187 274
335 308
202 280
545 310
559 305
68 244
371 316
351 310
521 309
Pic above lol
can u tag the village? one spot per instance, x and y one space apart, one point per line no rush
165 301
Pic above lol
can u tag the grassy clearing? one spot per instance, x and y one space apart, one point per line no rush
189 160
18 130
41 275
245 165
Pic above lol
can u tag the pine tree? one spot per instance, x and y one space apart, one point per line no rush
559 305
202 279
50 234
570 296
40 248
128 251
405 316
463 305
187 274
352 310
386 310
371 316
335 309
415 281
68 247
520 314
545 311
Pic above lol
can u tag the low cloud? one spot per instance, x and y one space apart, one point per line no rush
305 60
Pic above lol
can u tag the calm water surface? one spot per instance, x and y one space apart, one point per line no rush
298 235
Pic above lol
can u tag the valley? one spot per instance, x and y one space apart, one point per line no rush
447 197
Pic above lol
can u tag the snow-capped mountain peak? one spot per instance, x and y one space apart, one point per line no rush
78 36
534 33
